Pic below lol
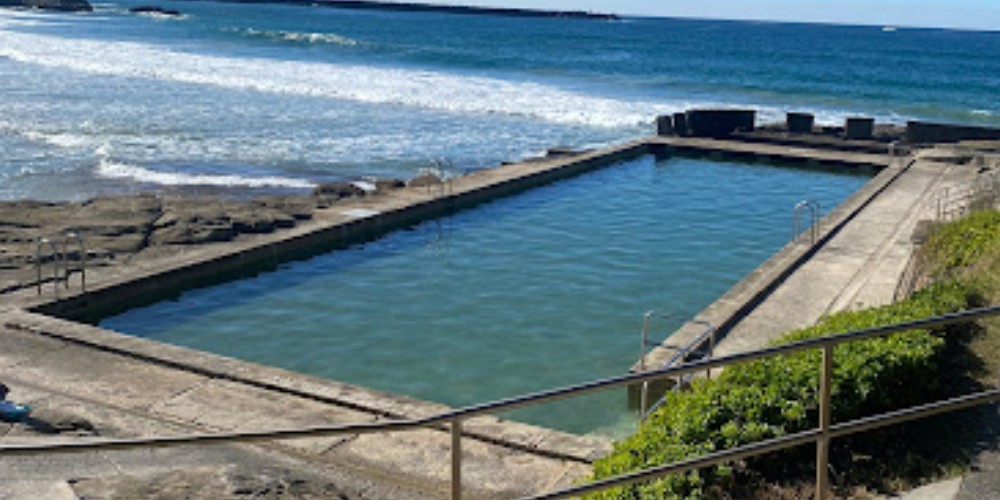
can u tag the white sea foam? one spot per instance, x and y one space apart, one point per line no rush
408 87
118 170
62 140
297 36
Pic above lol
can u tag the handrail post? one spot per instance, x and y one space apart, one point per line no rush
645 341
825 415
42 243
73 237
456 459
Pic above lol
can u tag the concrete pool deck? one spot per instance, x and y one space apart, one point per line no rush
861 258
110 377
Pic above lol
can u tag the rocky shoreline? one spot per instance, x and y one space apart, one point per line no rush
56 5
116 230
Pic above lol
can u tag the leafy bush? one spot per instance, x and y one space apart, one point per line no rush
962 243
779 396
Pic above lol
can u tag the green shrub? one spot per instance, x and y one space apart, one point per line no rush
778 396
962 243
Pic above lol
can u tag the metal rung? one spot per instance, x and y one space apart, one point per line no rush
815 212
60 261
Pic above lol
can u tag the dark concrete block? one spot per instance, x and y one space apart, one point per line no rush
665 125
680 124
800 123
929 133
720 122
859 128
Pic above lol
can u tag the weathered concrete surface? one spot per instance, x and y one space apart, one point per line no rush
194 390
859 266
726 312
758 151
81 391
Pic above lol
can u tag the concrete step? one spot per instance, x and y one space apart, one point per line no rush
36 490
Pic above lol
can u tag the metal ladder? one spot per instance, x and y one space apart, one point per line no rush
61 261
682 356
798 227
441 168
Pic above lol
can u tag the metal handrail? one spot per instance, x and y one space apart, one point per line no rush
60 258
821 435
42 243
815 211
682 355
72 237
644 343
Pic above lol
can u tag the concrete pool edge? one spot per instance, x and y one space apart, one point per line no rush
335 229
758 284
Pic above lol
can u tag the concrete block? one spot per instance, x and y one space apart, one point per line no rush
680 124
800 123
720 122
665 125
859 128
930 133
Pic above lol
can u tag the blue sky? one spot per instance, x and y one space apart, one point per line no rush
975 14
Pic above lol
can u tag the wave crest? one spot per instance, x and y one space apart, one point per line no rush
301 37
112 169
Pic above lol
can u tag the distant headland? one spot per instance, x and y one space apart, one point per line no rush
58 5
448 9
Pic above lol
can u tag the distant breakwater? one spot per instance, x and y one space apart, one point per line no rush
447 9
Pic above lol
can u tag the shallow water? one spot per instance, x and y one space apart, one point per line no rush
527 293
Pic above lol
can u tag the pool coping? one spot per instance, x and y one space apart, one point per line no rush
337 227
727 311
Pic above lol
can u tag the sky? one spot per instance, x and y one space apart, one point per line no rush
966 14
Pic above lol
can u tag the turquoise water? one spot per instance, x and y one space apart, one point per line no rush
270 97
526 293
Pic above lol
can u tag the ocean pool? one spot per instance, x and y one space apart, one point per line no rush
526 293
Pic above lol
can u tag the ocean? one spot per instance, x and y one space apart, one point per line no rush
241 98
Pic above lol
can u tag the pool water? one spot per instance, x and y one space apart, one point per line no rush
526 293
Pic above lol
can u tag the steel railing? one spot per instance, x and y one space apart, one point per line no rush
60 259
821 436
815 214
709 335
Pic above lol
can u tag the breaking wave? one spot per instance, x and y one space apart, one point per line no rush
301 37
117 170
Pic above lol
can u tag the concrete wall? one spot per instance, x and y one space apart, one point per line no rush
926 132
859 128
720 122
800 123
233 262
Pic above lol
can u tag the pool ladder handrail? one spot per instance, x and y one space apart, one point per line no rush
441 168
681 356
60 261
815 212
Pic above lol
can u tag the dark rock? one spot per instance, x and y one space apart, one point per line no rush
384 185
57 5
338 190
561 152
298 207
425 180
152 9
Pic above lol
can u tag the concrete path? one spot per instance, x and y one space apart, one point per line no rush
87 392
860 266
